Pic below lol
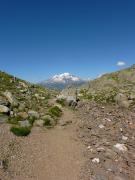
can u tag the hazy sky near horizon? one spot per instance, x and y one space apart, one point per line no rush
40 38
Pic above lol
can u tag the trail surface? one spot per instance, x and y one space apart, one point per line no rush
56 154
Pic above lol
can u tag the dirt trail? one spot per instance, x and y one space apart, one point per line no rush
53 155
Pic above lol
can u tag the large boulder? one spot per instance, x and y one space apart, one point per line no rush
22 107
11 99
3 101
34 114
69 95
3 118
39 123
122 100
24 123
71 101
4 109
23 115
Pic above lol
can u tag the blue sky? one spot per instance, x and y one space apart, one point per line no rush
84 37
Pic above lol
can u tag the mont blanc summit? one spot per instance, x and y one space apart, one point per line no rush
60 81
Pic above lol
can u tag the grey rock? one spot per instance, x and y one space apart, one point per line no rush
122 100
3 101
21 107
34 114
4 109
3 118
24 123
23 115
12 100
121 178
132 97
64 123
39 123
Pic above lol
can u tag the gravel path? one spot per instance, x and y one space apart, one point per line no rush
54 154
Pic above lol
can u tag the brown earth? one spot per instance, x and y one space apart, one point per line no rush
53 154
109 135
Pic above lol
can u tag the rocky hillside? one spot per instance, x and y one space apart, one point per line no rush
24 105
117 87
107 117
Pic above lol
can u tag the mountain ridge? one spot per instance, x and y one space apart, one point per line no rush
61 81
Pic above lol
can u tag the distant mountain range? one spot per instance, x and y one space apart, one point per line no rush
62 80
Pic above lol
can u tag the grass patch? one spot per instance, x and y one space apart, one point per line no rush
20 131
61 101
14 120
47 122
31 120
55 111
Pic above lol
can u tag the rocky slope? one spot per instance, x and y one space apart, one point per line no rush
24 105
108 133
106 116
117 87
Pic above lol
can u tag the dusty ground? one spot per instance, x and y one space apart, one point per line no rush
54 154
109 135
80 147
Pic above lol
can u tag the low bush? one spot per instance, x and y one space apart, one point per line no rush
61 101
55 111
20 131
47 122
14 120
32 120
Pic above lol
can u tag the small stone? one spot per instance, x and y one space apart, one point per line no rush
96 160
101 126
64 123
121 147
1 164
121 129
100 149
89 147
124 138
107 119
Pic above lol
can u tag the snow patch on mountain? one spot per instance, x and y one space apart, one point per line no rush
60 81
64 77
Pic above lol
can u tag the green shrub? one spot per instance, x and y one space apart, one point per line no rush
61 101
47 122
55 111
20 131
14 120
32 120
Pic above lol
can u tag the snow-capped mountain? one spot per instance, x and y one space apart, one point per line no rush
61 81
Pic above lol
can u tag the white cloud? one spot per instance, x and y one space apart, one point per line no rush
121 63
